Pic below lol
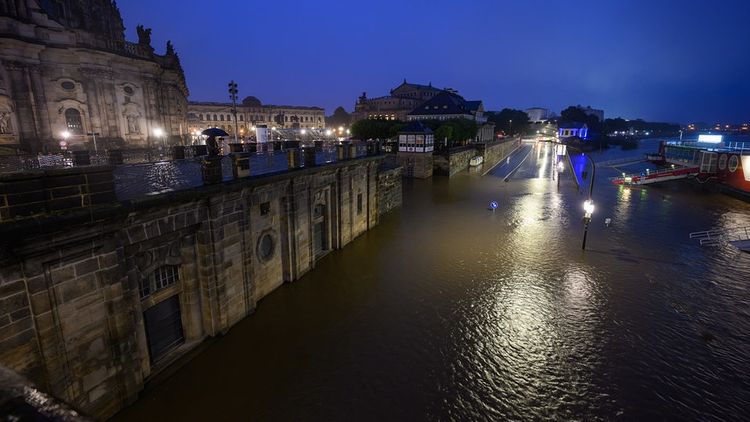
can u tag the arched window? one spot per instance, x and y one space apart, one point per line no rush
221 117
229 117
200 116
242 117
73 121
215 119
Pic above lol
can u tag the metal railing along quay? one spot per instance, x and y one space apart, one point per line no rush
142 172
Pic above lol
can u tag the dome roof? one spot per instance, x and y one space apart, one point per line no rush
251 102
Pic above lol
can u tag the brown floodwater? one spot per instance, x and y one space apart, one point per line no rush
448 310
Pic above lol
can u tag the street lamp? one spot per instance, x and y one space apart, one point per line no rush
233 96
159 133
510 127
588 207
64 143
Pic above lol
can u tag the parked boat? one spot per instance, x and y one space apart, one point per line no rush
476 161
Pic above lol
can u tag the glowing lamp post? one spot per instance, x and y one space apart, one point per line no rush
233 96
64 143
588 208
159 133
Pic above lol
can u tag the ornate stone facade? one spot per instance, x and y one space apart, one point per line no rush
250 112
66 71
402 99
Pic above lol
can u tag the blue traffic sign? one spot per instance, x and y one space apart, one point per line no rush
493 205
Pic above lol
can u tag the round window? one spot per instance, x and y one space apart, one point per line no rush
734 162
266 247
68 86
722 162
129 90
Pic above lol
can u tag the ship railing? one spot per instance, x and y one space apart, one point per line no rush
621 161
718 236
649 173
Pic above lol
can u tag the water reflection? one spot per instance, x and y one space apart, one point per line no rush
448 311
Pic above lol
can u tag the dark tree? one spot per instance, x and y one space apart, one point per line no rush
458 131
510 121
376 129
339 118
574 114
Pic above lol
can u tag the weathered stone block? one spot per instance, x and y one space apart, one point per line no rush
63 192
11 288
26 210
65 203
40 303
87 266
36 284
26 198
13 329
10 304
76 288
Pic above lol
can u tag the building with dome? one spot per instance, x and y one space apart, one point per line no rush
251 112
67 74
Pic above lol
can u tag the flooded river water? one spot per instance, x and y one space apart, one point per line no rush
449 311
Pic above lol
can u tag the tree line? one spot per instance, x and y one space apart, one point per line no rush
454 131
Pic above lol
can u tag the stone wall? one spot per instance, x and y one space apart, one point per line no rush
416 164
454 162
390 189
48 191
76 295
493 152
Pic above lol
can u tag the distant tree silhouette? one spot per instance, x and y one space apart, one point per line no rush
339 118
510 121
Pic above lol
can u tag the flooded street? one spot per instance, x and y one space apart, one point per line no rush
448 310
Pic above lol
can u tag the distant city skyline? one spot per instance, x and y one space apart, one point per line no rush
680 62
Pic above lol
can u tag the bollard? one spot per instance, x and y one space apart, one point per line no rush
292 158
241 164
211 169
114 157
352 151
341 152
178 152
309 154
81 158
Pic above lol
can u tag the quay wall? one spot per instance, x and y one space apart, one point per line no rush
97 299
390 189
496 151
453 162
458 159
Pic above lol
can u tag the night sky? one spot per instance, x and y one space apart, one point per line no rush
678 60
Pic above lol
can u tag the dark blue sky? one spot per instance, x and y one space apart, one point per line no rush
676 60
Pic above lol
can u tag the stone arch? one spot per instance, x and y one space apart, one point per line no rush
62 121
